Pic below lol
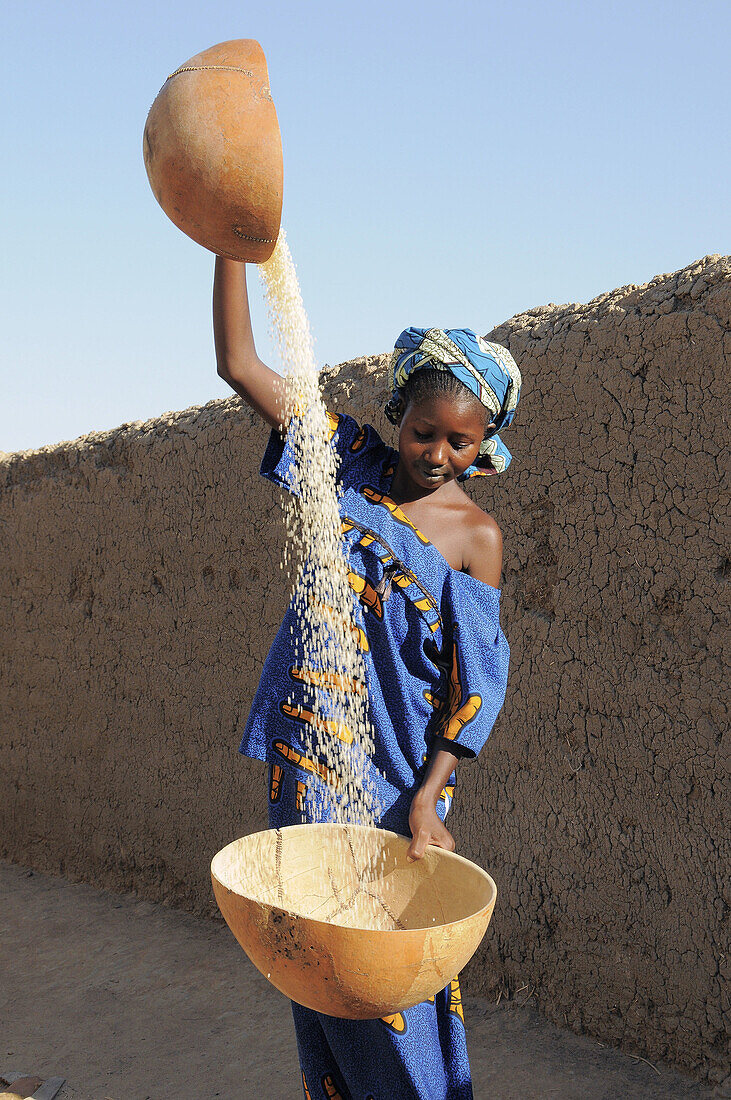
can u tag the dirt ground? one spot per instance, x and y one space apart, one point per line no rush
129 1000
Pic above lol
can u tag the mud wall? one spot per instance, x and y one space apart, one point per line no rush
141 589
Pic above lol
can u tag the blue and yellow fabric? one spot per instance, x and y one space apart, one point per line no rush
436 663
485 368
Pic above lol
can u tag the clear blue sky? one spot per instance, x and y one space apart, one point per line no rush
445 165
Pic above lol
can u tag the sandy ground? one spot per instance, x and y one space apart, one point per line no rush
129 1000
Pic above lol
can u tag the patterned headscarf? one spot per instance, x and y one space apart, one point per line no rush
488 370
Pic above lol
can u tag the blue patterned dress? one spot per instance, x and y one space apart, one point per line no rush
436 662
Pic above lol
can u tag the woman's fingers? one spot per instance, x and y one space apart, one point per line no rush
422 837
418 845
444 840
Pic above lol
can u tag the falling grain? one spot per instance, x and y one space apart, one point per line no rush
342 735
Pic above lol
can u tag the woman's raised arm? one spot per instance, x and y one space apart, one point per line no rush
238 363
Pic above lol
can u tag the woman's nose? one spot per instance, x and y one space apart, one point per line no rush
437 453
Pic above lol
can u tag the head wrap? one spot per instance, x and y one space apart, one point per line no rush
488 370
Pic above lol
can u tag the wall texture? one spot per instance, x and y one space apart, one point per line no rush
141 588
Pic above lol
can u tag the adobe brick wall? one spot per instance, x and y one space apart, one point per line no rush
141 589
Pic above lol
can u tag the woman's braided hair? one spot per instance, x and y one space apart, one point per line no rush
428 382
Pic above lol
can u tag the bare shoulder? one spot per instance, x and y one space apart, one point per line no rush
484 548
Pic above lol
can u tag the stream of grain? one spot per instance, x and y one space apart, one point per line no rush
342 736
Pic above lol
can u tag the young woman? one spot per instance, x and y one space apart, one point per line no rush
425 565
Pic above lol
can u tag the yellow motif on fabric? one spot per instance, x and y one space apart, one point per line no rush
401 577
275 789
300 795
455 999
301 405
328 680
304 1086
327 725
366 539
361 638
293 757
375 497
330 1089
396 1022
460 710
403 580
357 444
366 593
433 700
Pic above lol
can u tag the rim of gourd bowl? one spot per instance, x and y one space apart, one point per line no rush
444 853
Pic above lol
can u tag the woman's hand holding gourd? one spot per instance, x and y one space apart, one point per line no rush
426 826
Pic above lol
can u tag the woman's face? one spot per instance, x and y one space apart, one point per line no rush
439 438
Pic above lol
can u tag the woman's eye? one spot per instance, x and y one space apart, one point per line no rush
421 436
459 446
